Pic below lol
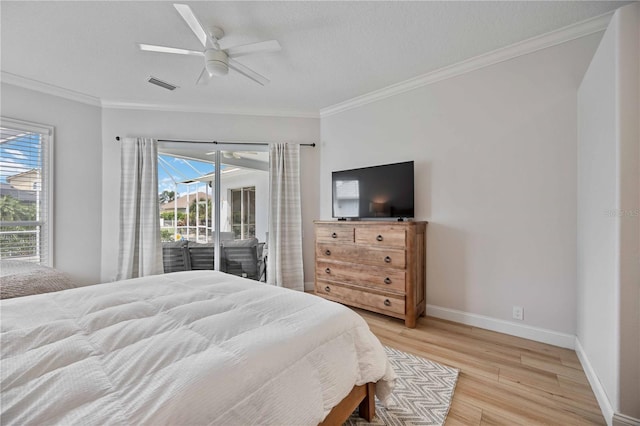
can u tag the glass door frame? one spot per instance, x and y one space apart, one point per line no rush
198 150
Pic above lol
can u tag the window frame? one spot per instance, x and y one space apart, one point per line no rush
243 190
47 174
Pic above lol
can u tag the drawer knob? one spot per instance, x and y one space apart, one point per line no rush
386 280
386 259
379 238
327 289
327 252
387 302
334 235
328 270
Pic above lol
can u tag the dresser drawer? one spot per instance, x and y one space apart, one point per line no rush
383 278
393 258
374 265
381 236
335 233
388 303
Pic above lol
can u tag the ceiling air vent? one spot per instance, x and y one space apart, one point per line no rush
161 83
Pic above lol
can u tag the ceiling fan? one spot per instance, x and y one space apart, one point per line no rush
217 61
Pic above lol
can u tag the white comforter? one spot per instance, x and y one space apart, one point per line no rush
186 348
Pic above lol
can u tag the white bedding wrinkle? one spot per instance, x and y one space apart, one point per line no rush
197 347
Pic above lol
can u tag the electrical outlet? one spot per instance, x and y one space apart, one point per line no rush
518 313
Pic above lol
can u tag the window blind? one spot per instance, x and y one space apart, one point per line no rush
25 191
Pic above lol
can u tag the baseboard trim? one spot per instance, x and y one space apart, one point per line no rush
596 386
622 420
520 330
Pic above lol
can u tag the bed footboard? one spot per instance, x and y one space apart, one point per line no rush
362 397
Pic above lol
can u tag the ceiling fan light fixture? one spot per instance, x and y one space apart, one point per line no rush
217 68
216 62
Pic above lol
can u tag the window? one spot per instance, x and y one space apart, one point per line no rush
25 191
243 212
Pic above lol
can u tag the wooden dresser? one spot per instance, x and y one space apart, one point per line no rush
373 265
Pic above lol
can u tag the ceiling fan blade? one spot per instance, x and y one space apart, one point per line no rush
204 78
193 23
249 49
247 72
167 49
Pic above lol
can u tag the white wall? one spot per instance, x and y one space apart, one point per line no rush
628 20
597 229
77 168
608 208
495 169
203 126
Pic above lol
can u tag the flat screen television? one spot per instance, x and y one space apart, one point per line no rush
384 191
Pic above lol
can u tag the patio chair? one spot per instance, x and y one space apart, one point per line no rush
227 236
240 257
242 261
262 261
201 256
175 257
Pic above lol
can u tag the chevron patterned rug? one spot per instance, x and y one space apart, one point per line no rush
422 395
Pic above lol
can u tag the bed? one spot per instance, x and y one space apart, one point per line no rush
196 347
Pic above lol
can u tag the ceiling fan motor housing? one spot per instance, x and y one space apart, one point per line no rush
216 62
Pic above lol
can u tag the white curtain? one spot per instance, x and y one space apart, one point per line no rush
140 249
284 263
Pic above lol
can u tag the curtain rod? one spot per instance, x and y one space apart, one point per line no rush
224 143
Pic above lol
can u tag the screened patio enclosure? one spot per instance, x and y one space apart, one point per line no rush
204 207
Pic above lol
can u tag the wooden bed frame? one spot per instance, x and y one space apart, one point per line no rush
360 396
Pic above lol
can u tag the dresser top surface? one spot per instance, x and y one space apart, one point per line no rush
370 222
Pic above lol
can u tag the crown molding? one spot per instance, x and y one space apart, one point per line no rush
111 104
550 39
38 86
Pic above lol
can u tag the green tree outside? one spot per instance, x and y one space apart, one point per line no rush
12 209
202 212
166 196
15 243
169 215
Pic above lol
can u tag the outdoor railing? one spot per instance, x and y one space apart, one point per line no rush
200 234
19 243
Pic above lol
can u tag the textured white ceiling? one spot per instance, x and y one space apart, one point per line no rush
331 51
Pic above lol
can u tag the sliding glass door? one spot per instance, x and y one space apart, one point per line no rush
244 194
214 206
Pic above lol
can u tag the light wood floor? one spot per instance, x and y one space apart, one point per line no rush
503 379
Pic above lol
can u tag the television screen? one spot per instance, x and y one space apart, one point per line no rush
374 192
